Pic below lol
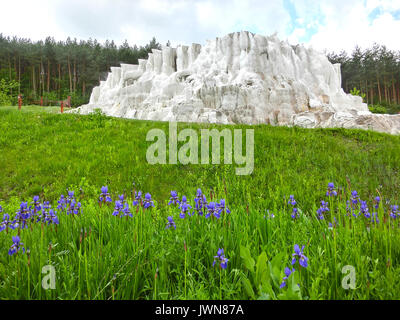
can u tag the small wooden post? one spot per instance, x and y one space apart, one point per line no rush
19 102
41 101
62 106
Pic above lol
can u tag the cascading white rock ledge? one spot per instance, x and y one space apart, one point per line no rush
239 78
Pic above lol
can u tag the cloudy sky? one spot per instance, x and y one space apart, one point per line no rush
331 25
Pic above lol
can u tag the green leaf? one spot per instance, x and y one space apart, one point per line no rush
261 269
249 262
248 287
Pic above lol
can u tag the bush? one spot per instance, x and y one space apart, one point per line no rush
6 87
377 109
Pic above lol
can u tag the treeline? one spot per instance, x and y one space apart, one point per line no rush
375 72
57 69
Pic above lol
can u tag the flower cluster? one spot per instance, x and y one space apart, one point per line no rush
16 246
293 203
69 203
322 210
331 192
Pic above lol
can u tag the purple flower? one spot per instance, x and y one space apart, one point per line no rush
74 207
220 257
16 246
174 198
200 202
138 198
118 207
212 209
51 217
7 223
147 203
364 209
334 223
222 208
184 208
374 217
170 223
293 203
298 254
394 211
322 209
331 192
354 197
126 211
104 196
377 201
22 215
288 272
62 203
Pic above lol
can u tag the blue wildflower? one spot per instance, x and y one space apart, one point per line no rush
147 203
16 246
51 217
126 211
394 211
170 223
334 223
331 192
222 208
74 207
298 254
212 209
322 210
184 208
118 208
364 209
200 202
174 198
220 257
104 196
377 201
354 197
293 203
22 215
138 198
288 272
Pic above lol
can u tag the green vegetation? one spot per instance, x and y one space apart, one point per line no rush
375 72
100 256
55 70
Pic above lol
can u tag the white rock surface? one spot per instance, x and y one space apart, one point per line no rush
239 78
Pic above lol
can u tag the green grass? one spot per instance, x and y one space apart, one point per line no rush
34 109
45 153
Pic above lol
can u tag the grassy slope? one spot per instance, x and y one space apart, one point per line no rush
45 153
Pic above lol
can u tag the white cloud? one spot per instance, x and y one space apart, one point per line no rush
330 24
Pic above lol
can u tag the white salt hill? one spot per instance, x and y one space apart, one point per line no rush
240 78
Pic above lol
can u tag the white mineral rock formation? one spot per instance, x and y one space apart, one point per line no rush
240 78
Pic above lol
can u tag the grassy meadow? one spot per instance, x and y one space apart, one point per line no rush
99 255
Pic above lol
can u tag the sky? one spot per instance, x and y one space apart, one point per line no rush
326 25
